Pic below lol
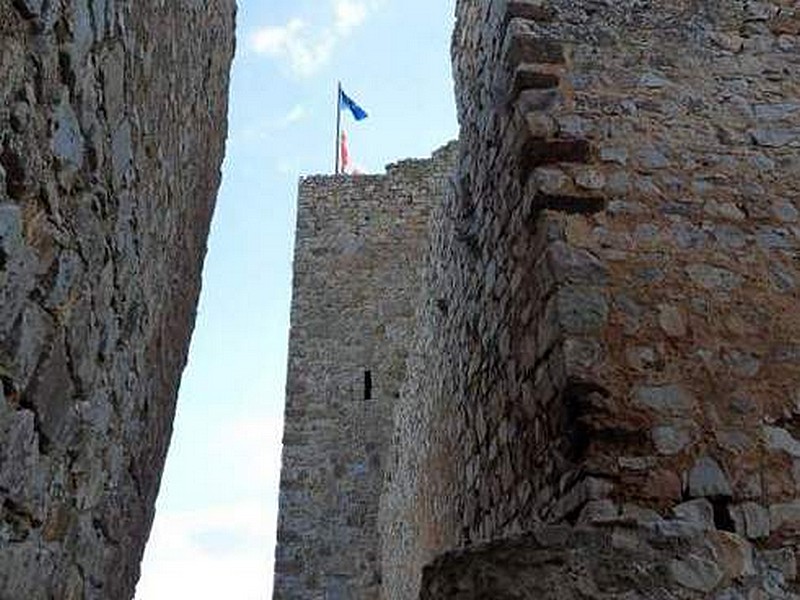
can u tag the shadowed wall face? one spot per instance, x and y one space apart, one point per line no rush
112 129
606 333
621 271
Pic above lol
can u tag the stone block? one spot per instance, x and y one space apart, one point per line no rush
582 309
696 573
669 400
535 10
524 47
706 479
697 511
752 520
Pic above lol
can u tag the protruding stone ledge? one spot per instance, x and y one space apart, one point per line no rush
530 77
523 46
539 152
534 10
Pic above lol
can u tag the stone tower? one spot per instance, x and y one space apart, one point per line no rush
601 394
112 129
357 271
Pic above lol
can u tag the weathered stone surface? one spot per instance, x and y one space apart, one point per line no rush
607 322
733 554
696 511
707 479
752 520
785 517
671 439
783 560
667 400
672 320
358 258
626 563
112 130
779 440
696 573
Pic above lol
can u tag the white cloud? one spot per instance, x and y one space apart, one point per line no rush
273 40
349 15
288 167
264 129
298 113
306 48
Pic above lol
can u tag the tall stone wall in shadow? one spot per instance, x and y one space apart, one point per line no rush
112 130
610 338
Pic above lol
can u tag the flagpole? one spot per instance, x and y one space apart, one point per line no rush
338 125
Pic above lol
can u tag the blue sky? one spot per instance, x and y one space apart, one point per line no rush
214 531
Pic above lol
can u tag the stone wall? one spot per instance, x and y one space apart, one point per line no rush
112 127
606 334
624 562
609 329
358 256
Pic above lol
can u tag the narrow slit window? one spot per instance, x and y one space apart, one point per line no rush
367 385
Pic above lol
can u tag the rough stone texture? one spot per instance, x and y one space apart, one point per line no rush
358 255
619 261
607 326
620 562
112 126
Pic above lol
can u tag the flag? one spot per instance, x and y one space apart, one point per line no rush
345 153
346 168
359 114
345 101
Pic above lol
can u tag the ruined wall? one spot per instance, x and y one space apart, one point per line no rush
627 562
610 330
358 256
112 126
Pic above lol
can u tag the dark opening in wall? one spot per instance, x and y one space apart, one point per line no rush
367 385
722 515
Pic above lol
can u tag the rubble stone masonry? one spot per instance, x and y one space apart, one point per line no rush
626 286
602 391
359 252
112 129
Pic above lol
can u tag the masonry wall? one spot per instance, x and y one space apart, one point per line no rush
112 130
610 334
357 273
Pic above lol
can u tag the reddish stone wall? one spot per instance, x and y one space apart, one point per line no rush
653 146
610 328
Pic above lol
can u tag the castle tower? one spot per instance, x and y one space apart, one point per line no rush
357 272
600 396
